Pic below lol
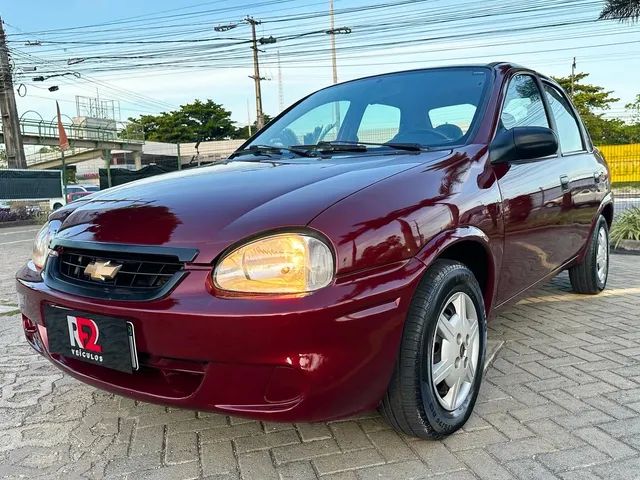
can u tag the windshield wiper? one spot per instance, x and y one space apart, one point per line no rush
345 145
266 150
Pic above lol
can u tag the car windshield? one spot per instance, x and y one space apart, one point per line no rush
425 108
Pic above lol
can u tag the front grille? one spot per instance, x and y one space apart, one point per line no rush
138 273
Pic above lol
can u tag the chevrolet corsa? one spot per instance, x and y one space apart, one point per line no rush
346 257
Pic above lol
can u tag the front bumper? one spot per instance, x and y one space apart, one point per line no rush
317 357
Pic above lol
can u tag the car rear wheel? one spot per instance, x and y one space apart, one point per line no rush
439 367
590 276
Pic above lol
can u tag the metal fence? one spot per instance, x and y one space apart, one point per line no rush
114 131
624 164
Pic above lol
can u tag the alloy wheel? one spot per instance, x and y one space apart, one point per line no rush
456 347
602 255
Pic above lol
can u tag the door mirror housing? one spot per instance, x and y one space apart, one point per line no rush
523 143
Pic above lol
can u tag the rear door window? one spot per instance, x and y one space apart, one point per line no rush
566 122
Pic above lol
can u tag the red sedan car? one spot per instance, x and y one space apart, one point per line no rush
347 257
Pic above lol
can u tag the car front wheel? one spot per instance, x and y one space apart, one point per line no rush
439 367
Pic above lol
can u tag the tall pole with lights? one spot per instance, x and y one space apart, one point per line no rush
9 110
256 73
334 61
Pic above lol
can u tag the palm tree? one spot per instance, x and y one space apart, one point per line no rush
621 9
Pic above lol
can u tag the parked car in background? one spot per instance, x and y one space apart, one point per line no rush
74 192
346 257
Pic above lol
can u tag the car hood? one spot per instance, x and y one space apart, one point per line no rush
213 207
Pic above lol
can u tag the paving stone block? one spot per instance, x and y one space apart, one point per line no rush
523 448
475 439
622 428
538 412
581 419
185 471
529 469
391 446
508 425
313 431
437 457
605 443
408 470
297 471
573 458
349 436
221 434
483 465
181 448
347 461
147 439
305 451
217 458
266 441
623 470
257 466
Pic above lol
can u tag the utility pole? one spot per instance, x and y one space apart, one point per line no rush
573 74
248 117
9 110
256 72
334 61
280 85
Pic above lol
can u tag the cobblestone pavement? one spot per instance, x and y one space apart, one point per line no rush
561 400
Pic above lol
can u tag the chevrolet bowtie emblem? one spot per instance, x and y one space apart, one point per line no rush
100 270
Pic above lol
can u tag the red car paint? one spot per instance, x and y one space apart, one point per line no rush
331 353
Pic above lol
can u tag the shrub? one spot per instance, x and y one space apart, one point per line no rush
626 226
15 211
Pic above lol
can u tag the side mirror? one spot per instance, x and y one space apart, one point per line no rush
522 143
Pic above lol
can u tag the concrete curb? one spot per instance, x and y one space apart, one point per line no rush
627 247
8 310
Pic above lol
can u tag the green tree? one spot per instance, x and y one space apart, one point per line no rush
589 99
197 121
243 132
634 109
623 10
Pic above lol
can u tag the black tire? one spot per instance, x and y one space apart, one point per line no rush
584 276
410 404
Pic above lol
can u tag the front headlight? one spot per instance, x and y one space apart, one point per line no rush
280 263
41 243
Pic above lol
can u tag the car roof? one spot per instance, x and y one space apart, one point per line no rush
500 67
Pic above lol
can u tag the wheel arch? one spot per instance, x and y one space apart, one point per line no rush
471 247
607 213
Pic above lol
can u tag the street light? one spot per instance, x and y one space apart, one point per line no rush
225 28
42 78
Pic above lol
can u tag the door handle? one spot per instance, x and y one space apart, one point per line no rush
564 182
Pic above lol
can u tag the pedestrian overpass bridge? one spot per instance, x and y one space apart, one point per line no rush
85 141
